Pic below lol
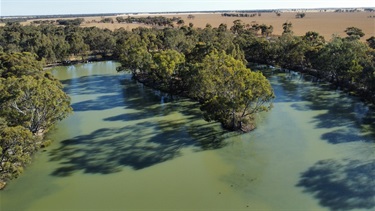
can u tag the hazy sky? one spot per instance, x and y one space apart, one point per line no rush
50 7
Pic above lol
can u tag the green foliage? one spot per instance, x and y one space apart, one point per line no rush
107 20
154 55
167 63
134 55
231 93
17 144
158 20
289 51
287 28
19 64
70 22
354 32
238 27
181 64
31 101
343 60
313 44
266 30
101 41
76 43
34 103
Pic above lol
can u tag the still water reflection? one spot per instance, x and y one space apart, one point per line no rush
129 147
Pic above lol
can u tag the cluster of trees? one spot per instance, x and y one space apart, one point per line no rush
56 44
204 64
31 101
70 22
12 20
155 21
106 20
347 62
300 15
354 10
44 22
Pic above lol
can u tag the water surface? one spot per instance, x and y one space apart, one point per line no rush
128 147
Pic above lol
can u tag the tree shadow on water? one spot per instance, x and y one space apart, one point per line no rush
347 118
341 185
139 146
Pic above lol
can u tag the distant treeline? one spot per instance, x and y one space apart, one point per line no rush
13 20
158 20
355 10
240 14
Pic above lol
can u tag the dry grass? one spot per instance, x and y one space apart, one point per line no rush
325 23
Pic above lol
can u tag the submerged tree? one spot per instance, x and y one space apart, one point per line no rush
230 93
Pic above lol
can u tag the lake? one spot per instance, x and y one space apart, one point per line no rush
128 147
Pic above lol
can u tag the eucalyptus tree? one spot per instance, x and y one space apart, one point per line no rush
134 55
34 103
289 51
287 28
354 32
343 60
314 43
230 93
30 97
99 40
17 144
166 68
75 38
19 64
31 101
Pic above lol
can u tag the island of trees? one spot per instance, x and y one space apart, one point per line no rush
209 65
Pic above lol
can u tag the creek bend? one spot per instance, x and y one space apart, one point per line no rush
130 147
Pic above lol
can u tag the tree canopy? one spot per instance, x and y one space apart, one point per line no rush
31 101
231 93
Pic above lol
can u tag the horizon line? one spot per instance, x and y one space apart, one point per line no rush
195 11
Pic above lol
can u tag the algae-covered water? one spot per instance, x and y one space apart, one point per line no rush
128 147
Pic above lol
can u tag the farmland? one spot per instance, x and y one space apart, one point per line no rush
325 23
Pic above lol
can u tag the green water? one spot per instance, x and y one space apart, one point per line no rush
128 147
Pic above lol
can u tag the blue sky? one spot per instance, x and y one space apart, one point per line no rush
51 7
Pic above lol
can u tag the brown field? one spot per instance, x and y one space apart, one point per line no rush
325 23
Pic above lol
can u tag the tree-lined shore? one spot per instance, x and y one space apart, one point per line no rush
206 64
31 102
